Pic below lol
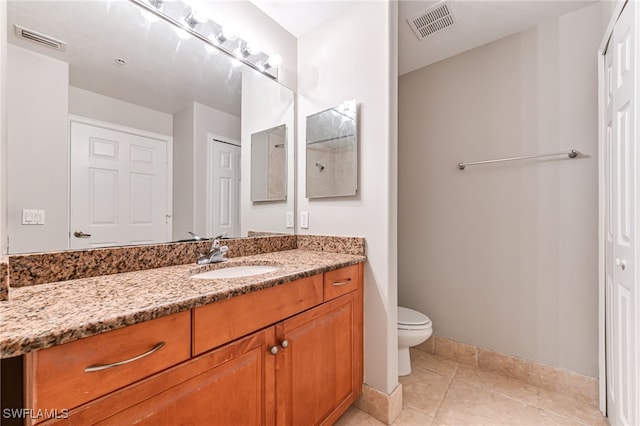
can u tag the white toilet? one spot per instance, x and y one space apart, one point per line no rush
413 329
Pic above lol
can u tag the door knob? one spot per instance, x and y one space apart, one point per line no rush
621 263
80 234
284 344
273 350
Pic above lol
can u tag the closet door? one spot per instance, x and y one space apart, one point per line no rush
621 281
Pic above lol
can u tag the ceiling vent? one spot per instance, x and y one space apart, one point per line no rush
432 20
40 38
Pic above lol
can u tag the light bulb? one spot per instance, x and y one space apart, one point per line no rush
226 34
251 49
194 17
274 60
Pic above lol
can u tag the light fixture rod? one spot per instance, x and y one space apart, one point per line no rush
196 34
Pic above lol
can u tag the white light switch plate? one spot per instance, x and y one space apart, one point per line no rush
290 223
304 220
32 217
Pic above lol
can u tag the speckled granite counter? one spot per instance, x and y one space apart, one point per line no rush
37 317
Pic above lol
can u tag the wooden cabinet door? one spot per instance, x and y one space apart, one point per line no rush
233 385
319 371
234 391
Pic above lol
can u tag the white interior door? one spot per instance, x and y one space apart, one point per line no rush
224 188
118 188
621 236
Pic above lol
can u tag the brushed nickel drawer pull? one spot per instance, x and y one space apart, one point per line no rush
100 367
339 283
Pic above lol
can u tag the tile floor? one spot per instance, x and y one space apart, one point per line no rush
440 392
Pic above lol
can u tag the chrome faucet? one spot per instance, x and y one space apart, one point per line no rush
216 254
195 236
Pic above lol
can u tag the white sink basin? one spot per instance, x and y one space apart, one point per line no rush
235 272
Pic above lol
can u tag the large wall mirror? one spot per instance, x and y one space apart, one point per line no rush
332 152
131 132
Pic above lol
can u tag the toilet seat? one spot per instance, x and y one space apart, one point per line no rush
408 319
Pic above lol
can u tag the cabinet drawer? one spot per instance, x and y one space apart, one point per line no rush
227 320
57 376
341 281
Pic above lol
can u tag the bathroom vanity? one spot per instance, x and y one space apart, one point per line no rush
282 348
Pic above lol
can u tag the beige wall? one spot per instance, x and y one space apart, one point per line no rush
505 256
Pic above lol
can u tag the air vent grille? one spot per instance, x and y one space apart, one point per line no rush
432 20
42 39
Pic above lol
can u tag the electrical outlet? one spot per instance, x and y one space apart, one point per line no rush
304 220
290 223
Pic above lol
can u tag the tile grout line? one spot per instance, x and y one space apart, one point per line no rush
446 392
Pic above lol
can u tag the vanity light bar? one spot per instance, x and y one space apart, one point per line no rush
182 16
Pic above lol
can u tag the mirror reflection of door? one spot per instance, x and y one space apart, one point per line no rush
118 187
224 187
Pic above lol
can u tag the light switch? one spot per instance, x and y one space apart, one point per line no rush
32 217
38 217
304 220
290 223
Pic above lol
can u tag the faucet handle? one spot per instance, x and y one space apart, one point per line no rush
216 241
195 236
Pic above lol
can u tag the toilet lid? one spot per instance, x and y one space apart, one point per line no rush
408 316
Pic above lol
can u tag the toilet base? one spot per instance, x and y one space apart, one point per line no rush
404 362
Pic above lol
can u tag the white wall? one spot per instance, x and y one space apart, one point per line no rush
504 256
350 57
265 104
99 107
183 173
192 126
37 104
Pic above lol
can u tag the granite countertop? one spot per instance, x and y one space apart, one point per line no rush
45 315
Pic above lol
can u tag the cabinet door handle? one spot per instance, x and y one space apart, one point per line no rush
100 367
284 344
339 283
273 350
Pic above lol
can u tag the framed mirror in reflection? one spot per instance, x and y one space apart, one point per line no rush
269 164
332 152
130 131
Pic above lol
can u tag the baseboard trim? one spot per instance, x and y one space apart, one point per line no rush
534 373
383 407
